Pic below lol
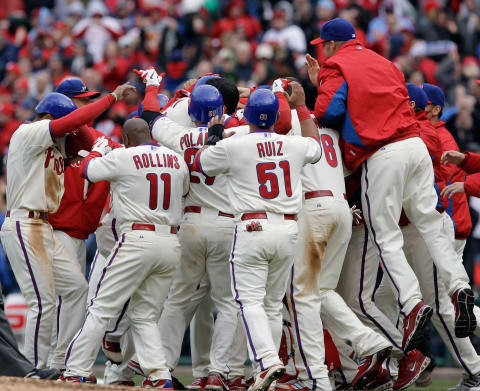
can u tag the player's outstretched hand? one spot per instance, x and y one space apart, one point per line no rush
123 90
150 76
453 157
102 146
454 188
312 68
280 85
297 96
244 92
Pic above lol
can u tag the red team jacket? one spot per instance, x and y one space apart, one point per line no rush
370 107
79 211
457 206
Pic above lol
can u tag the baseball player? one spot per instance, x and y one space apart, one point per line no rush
34 189
325 226
147 183
263 184
207 229
392 145
72 231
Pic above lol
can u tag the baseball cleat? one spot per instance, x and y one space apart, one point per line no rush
164 384
112 351
426 377
413 325
410 368
237 383
369 368
198 383
135 367
45 374
78 379
263 379
465 322
216 382
383 381
467 384
290 385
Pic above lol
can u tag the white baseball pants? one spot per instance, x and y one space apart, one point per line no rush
399 175
356 286
140 268
76 247
206 240
435 294
44 270
260 263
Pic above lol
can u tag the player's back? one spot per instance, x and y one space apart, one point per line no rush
147 183
327 173
265 170
204 191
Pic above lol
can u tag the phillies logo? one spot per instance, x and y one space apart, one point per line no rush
58 166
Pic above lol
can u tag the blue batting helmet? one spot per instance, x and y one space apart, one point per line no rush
261 108
203 80
205 103
55 104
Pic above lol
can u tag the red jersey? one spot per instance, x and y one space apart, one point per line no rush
457 205
81 205
364 95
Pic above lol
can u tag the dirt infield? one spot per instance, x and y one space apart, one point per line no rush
21 384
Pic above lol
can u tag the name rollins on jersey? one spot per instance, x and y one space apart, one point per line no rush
270 148
152 160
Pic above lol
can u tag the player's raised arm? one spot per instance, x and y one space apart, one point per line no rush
84 115
297 100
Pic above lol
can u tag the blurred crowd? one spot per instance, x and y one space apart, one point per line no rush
251 42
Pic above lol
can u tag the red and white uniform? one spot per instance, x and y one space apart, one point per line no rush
147 184
325 225
207 228
263 184
34 186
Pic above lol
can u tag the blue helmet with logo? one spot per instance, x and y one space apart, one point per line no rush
55 104
205 103
262 108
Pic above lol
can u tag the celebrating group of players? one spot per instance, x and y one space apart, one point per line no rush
241 205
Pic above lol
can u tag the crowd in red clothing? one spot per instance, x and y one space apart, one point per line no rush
252 43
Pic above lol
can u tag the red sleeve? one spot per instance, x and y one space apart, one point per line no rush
150 102
96 197
471 164
330 80
85 163
83 139
178 94
231 122
284 121
84 115
472 185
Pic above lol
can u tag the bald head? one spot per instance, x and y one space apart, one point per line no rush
135 132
